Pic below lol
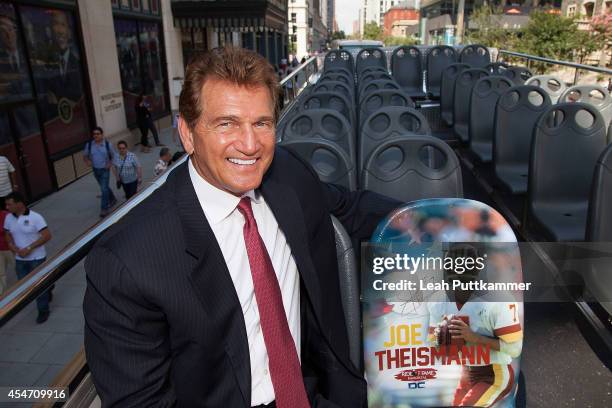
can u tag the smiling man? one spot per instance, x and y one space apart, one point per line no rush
221 289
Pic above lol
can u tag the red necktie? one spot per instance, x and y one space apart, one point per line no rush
284 364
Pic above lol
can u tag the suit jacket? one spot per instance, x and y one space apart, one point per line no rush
163 323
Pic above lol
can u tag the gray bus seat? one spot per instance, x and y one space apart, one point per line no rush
330 161
461 104
334 87
551 84
378 99
407 69
485 95
447 91
339 59
561 166
413 167
326 124
475 55
438 58
386 123
516 116
518 75
595 95
378 85
370 57
331 100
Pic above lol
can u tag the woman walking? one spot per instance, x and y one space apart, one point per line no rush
127 170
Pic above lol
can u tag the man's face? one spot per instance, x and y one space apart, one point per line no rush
8 34
61 31
98 136
12 206
232 144
122 149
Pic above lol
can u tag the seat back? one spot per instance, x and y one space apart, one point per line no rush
336 77
369 70
285 119
374 76
516 115
496 68
563 156
551 84
324 124
475 55
329 161
378 85
339 59
407 69
595 95
377 99
330 100
334 87
339 70
370 57
485 95
386 123
349 279
413 167
599 221
438 58
447 90
518 75
461 105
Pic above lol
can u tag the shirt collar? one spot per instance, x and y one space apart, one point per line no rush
217 204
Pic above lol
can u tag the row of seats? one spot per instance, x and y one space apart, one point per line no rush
530 140
360 125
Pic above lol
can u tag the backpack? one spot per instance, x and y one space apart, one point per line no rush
108 150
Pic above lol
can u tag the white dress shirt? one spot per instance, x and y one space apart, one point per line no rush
227 224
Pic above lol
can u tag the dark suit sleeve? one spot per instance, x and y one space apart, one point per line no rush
126 339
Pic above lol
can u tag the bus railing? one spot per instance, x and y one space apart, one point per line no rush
531 59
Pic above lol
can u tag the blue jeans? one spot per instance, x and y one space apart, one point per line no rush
102 176
23 268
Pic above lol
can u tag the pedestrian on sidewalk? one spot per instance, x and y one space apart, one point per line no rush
145 123
26 233
7 259
165 157
99 154
8 179
127 170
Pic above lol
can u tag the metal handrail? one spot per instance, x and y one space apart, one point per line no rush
574 65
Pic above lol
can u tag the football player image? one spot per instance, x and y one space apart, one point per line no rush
468 320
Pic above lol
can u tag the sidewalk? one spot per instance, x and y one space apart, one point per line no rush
33 354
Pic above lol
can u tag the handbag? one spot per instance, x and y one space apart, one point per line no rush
119 183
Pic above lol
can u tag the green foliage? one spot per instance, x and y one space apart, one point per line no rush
553 36
391 41
338 35
371 31
488 29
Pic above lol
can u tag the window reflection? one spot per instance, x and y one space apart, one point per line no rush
14 82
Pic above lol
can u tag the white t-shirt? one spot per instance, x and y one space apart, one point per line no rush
5 181
25 229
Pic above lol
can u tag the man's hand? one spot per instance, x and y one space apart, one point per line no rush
460 329
23 252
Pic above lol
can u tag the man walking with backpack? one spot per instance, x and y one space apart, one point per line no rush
98 154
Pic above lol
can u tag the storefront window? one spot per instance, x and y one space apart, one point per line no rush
14 82
58 76
140 61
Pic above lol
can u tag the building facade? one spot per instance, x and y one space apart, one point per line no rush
307 31
398 19
67 66
374 10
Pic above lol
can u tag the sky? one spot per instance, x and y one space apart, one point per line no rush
346 12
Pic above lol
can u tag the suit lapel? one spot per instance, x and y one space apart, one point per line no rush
287 210
212 281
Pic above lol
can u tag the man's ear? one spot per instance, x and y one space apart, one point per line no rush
186 135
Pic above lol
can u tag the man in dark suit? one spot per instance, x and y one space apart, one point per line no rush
221 289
